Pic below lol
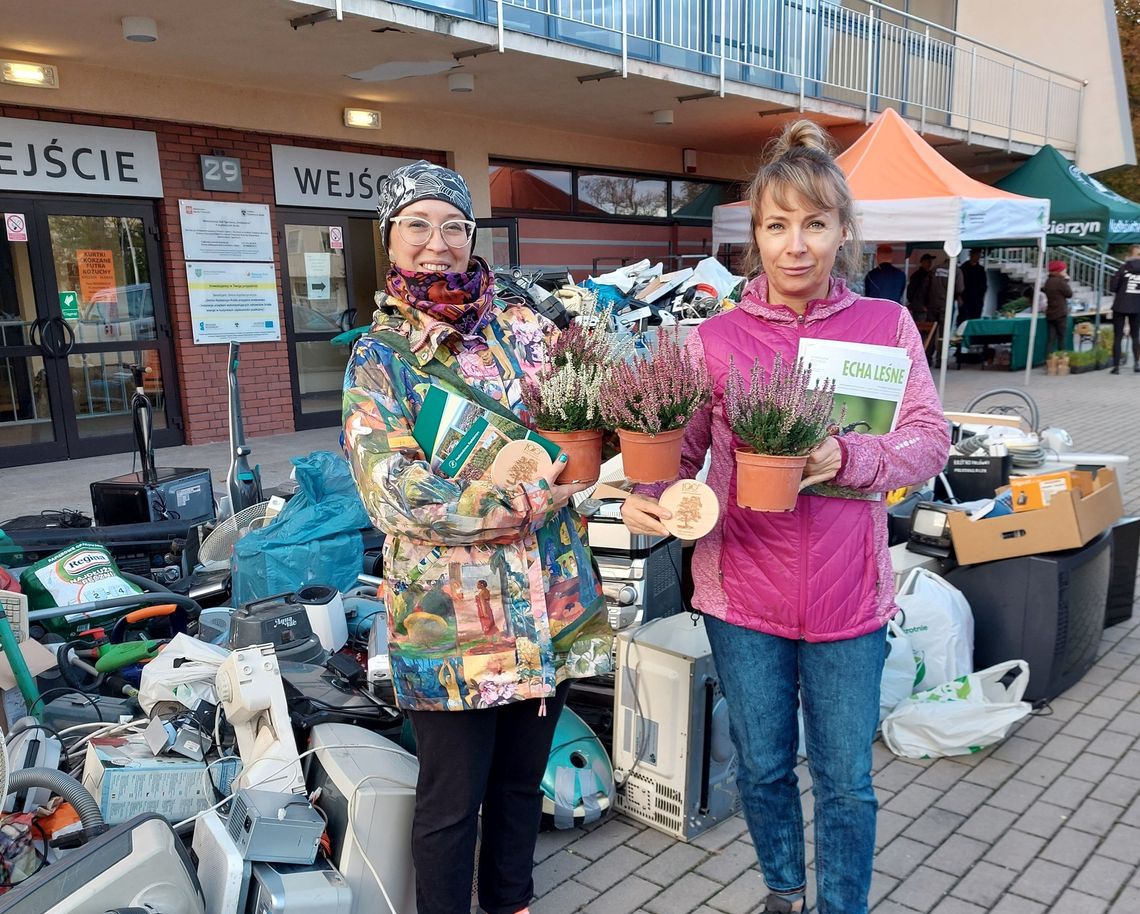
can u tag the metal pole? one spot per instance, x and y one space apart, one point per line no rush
803 50
970 109
502 45
871 44
624 43
948 316
723 27
925 73
1099 290
1033 319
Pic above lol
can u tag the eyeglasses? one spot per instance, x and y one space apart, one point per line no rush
456 233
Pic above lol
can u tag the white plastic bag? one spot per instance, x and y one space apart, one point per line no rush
959 717
189 681
899 669
940 626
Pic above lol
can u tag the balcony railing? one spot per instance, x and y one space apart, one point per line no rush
814 49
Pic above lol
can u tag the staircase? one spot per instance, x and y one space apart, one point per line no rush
1088 277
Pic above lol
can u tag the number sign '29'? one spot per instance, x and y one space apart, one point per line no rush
221 173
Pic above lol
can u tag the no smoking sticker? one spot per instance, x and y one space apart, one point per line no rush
16 226
336 238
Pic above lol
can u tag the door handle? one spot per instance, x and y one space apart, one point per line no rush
51 344
36 335
66 337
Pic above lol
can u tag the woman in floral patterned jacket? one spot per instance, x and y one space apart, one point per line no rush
491 596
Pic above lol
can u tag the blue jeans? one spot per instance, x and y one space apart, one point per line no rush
764 678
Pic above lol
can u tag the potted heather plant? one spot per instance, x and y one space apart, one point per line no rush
563 397
780 417
649 400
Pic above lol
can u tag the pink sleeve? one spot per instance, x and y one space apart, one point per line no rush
916 450
698 433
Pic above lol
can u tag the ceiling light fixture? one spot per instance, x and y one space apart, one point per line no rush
663 117
461 82
364 118
26 73
140 28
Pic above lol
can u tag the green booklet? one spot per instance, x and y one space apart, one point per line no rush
869 384
461 439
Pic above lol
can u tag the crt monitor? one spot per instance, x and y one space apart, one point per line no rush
1045 609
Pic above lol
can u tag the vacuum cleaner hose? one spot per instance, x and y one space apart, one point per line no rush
145 583
135 600
64 785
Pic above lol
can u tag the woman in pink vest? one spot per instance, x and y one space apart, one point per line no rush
796 603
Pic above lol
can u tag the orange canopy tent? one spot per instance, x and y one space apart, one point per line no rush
905 191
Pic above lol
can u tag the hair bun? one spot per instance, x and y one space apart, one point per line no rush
801 134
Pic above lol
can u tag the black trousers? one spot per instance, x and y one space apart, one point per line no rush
1118 335
494 758
1056 341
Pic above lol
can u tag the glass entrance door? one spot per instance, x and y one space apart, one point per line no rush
318 305
96 307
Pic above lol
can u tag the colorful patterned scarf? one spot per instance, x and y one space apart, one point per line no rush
464 300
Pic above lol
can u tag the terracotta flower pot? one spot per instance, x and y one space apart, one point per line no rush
767 483
583 452
651 458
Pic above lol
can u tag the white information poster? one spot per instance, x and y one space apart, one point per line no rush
233 301
226 231
318 270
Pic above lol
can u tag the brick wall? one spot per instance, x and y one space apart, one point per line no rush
263 375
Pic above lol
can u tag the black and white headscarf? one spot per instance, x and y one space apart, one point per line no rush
421 180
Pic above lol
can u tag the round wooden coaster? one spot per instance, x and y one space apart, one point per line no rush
694 507
520 462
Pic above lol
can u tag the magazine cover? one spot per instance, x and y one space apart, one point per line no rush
461 439
869 385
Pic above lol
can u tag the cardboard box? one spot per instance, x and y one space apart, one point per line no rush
127 780
1031 493
1069 521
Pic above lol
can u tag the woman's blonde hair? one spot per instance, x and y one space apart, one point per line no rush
801 161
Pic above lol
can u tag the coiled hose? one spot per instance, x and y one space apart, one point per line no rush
64 785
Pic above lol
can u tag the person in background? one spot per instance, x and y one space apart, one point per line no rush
795 604
461 552
974 287
885 280
918 288
1057 291
1125 285
936 292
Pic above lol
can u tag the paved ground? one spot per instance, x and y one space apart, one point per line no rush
1047 821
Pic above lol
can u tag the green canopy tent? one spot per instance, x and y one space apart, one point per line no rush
1081 210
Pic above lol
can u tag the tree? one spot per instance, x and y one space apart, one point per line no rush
1126 181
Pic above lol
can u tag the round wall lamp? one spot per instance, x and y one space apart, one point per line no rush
663 117
461 82
140 28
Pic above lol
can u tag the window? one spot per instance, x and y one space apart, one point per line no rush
622 195
545 190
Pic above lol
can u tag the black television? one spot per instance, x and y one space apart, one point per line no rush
1045 609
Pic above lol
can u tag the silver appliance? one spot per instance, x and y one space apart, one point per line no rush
641 575
673 757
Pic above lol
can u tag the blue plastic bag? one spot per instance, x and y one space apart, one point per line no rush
314 540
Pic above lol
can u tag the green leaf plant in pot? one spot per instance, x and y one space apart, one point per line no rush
649 400
780 416
563 397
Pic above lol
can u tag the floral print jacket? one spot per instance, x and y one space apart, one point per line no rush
490 597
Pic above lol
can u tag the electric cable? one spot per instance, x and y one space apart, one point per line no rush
288 764
65 690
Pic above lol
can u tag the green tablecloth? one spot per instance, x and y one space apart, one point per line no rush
1014 330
